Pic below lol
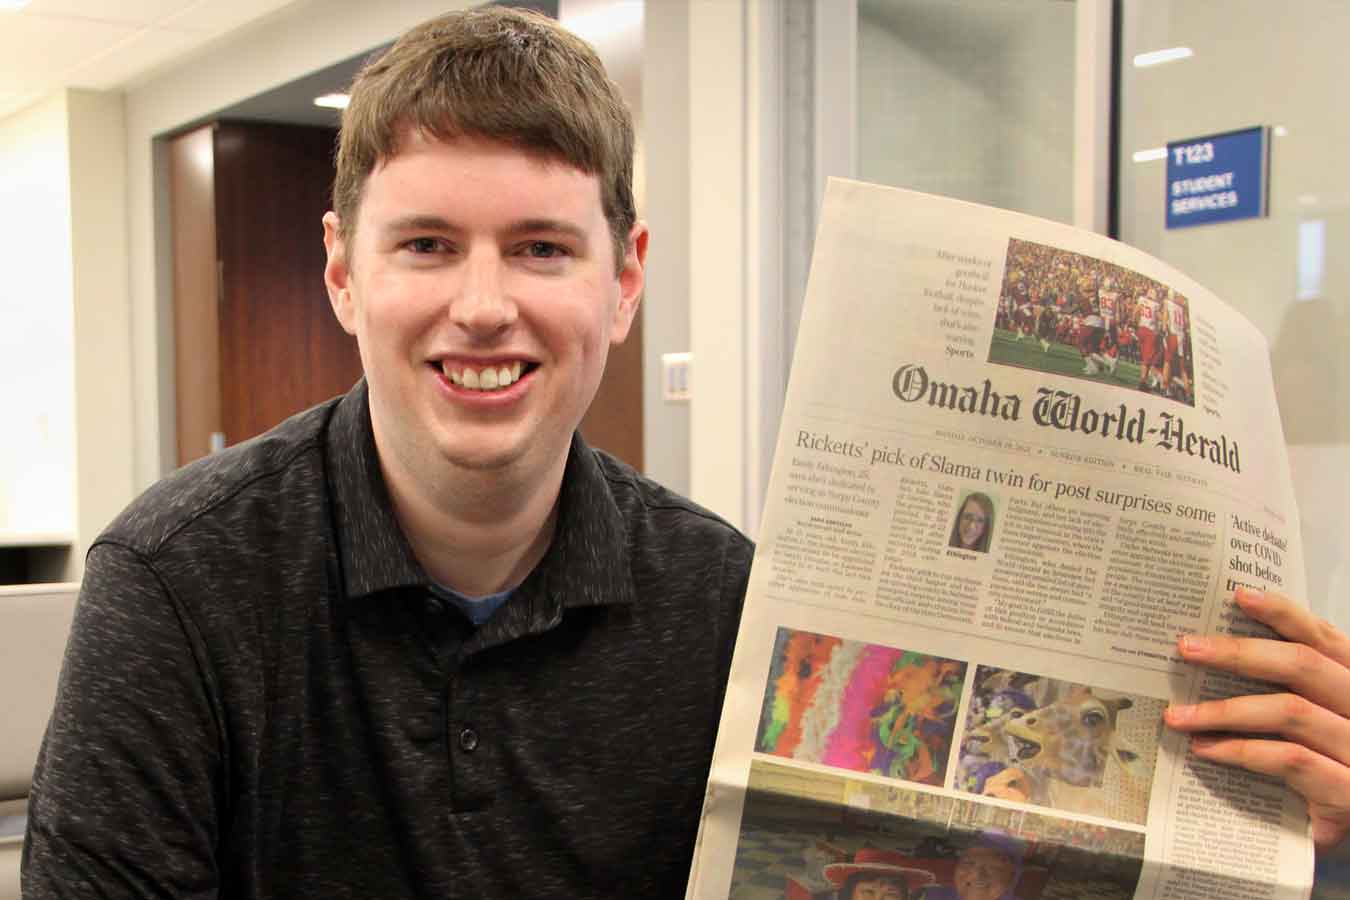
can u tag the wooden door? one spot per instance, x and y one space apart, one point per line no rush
196 329
281 349
614 421
255 339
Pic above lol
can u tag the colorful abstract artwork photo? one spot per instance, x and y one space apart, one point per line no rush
861 707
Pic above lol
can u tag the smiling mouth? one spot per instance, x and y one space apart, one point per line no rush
486 378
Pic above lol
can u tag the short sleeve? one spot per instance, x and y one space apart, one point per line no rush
126 797
735 581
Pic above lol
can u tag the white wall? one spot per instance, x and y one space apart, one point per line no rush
37 454
65 463
104 435
973 100
718 257
665 139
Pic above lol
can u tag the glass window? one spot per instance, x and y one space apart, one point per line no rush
1289 273
971 99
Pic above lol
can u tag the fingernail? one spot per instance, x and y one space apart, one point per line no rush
1202 742
1180 715
1193 645
1248 595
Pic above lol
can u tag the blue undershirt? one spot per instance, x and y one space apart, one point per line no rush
477 609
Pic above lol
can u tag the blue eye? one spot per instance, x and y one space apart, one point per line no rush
423 245
544 250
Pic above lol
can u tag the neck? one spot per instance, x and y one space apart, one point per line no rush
477 532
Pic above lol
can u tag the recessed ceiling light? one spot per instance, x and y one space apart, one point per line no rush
333 101
13 5
1150 154
1158 57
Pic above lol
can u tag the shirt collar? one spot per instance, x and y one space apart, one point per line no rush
374 552
586 564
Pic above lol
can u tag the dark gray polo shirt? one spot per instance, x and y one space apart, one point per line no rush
263 698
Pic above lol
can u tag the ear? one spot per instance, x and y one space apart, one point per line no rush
337 274
632 278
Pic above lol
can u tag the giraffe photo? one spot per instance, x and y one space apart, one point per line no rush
1059 744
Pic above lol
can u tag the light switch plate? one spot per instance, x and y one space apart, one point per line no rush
675 376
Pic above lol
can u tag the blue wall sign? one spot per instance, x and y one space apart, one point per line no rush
1218 178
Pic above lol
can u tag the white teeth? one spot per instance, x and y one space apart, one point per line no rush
489 379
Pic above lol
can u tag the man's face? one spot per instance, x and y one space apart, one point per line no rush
983 874
481 286
879 889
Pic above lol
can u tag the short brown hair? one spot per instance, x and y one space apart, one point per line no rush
499 73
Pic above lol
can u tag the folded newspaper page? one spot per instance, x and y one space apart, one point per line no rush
1016 461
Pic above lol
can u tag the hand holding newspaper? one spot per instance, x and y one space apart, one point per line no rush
1016 462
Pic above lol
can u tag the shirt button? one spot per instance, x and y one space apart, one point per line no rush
468 740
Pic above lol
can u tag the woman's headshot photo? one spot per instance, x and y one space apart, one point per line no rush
974 524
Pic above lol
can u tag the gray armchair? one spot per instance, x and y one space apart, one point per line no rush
34 624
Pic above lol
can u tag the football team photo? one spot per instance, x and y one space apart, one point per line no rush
1069 314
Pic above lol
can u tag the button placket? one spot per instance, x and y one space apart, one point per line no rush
472 757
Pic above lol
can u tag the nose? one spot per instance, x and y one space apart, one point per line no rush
479 303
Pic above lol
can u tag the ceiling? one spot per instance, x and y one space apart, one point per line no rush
117 44
293 102
108 44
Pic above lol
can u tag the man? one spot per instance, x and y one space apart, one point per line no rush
1088 338
1148 328
421 640
1108 300
1047 320
1175 345
1024 313
1301 734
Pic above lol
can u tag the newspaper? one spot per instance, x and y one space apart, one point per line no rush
1016 461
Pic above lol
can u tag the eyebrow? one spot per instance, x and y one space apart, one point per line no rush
427 222
558 226
417 222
